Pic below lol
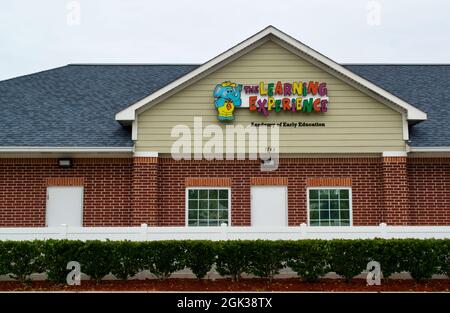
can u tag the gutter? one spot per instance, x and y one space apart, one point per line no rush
429 149
66 149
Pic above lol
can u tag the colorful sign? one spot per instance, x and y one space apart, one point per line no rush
292 97
270 97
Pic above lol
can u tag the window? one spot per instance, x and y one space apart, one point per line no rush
208 206
329 206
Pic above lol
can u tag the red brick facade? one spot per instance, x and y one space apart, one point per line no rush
395 191
365 174
107 190
429 191
123 192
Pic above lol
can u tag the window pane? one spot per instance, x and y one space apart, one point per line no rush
334 215
203 204
313 205
223 214
324 205
193 194
345 222
214 223
223 222
193 223
324 194
202 214
313 194
213 204
324 223
213 194
223 194
344 194
314 223
213 214
203 194
334 193
344 205
223 204
193 205
345 215
203 223
314 215
334 205
324 215
335 223
193 215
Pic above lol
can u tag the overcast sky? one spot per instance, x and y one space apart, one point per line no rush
40 34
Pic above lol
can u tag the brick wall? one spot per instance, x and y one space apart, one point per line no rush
107 190
122 192
364 174
429 191
395 191
144 192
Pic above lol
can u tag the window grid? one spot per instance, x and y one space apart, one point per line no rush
335 196
207 206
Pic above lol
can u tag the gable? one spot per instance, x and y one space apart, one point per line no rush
354 122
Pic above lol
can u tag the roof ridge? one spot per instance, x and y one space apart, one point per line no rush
134 64
397 64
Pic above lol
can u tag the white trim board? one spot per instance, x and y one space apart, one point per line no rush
129 114
65 149
429 149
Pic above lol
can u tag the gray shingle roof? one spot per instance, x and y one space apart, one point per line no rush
427 87
74 105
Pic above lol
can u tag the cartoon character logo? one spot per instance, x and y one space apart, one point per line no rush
227 96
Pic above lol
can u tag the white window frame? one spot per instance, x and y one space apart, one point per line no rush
186 206
350 198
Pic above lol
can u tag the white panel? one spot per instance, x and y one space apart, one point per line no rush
269 206
64 206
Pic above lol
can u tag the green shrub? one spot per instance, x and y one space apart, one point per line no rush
309 258
233 258
56 255
266 258
125 259
22 258
349 257
4 259
200 255
445 258
162 258
95 258
388 253
421 258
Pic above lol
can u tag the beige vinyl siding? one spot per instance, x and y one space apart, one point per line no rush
354 122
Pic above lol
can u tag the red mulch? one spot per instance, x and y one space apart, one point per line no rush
227 285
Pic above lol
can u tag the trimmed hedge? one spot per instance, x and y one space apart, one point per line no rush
311 259
200 255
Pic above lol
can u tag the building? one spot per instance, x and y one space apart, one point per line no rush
93 145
